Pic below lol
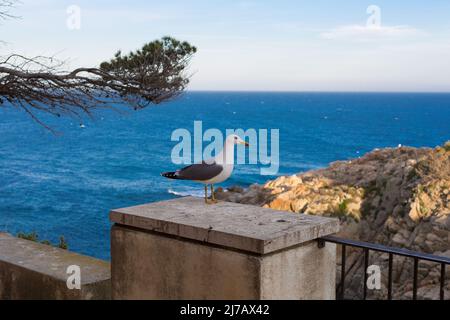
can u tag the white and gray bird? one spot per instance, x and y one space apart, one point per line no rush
210 171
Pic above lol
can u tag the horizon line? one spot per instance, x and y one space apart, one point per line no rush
315 91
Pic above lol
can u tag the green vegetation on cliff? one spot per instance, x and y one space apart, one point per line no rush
33 236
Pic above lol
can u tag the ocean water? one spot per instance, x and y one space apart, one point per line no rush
66 184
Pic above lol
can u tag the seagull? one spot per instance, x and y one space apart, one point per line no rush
210 171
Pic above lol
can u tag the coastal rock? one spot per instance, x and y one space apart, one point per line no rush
394 196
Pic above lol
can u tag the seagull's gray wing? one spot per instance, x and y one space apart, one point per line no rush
200 171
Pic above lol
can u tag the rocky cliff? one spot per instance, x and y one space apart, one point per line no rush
396 196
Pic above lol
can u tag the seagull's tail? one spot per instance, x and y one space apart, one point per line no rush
170 175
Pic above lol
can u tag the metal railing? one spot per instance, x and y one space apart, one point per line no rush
367 247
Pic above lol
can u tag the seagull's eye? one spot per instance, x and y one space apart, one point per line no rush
235 138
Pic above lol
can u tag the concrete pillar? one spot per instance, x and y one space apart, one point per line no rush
186 249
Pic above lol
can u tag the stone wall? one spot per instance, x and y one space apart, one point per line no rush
30 270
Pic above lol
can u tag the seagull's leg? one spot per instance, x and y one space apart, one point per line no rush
206 193
213 199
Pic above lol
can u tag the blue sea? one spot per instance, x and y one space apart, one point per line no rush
65 184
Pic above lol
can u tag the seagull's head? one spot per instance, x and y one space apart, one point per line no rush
235 139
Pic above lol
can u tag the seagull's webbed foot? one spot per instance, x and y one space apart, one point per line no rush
212 201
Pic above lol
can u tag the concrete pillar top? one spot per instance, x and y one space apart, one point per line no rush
236 226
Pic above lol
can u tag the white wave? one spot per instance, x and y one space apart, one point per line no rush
190 192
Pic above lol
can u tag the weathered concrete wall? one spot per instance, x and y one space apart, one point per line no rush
30 270
184 249
149 266
146 265
304 273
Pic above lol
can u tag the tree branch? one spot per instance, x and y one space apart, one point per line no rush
151 75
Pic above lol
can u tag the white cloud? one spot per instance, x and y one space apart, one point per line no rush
368 33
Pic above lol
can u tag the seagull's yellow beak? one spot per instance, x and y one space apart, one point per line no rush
245 143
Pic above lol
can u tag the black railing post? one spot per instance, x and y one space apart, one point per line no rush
366 265
391 260
416 267
442 282
343 257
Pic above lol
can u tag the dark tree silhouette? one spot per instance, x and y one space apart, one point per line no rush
151 75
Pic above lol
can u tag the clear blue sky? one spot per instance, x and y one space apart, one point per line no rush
256 45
